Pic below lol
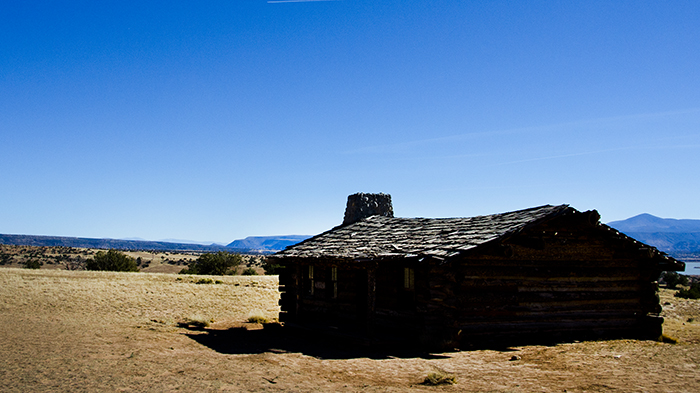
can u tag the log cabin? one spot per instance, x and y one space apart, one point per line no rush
544 273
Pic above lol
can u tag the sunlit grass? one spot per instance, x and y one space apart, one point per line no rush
144 296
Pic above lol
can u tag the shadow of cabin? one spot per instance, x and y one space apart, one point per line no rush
545 274
241 341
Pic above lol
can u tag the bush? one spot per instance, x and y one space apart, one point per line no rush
691 293
32 264
249 272
257 319
271 266
439 378
673 279
113 261
221 263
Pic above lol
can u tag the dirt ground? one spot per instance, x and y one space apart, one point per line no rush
99 331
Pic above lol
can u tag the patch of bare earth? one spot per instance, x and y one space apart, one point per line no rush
96 331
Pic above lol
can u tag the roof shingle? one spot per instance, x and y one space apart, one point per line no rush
379 236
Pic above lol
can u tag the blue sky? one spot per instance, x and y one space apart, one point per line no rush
217 120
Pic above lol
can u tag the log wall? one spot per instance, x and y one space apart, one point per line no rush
299 304
549 283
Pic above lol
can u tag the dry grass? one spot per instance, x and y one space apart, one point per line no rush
439 378
61 258
101 331
137 297
257 318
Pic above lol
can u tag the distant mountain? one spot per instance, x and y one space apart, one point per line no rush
648 223
267 243
78 242
252 244
183 241
666 234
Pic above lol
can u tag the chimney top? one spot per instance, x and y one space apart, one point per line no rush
362 205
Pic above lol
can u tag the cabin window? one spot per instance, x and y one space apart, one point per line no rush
334 281
408 279
310 279
331 283
407 296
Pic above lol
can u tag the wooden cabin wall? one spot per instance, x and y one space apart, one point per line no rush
289 291
370 296
299 304
398 309
560 280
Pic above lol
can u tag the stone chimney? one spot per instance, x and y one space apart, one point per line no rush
363 205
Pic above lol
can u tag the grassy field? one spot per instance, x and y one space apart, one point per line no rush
70 258
99 331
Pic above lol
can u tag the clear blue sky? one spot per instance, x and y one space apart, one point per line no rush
217 120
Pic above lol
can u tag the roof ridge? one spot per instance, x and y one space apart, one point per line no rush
380 235
562 206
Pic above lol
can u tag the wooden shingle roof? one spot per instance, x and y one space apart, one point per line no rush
389 237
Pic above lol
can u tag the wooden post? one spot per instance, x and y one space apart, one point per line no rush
371 297
298 282
289 288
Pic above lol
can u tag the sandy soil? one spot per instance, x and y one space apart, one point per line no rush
97 331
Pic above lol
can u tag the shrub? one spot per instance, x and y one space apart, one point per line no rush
113 261
204 281
439 378
220 263
271 266
249 272
673 279
32 264
691 293
257 319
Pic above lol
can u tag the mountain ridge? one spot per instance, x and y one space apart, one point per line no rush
267 243
646 222
667 234
256 244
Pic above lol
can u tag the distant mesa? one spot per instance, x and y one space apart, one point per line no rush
267 243
254 244
189 242
667 234
119 244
